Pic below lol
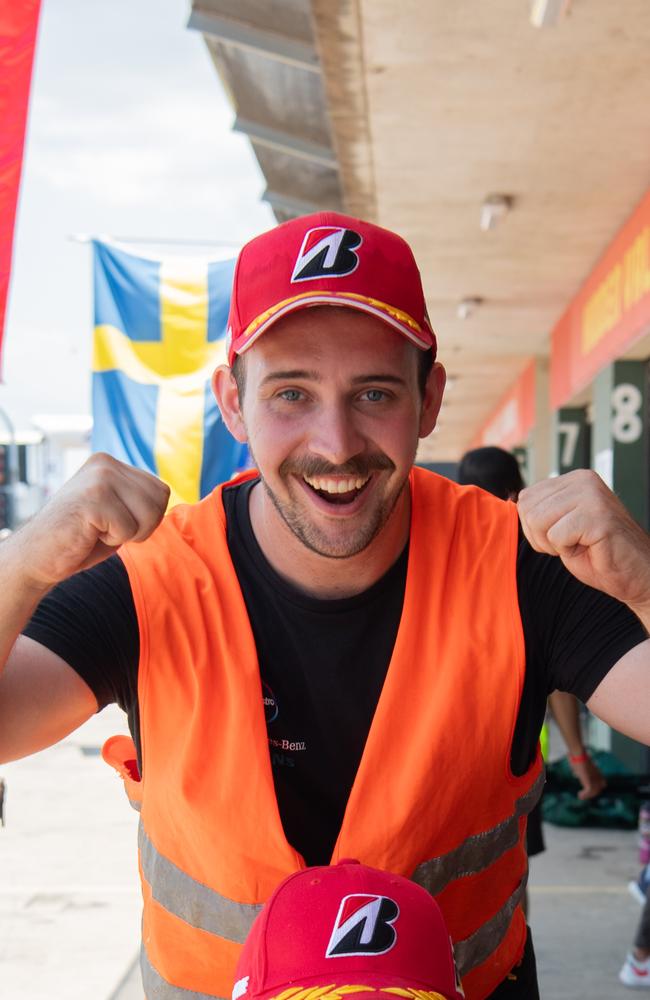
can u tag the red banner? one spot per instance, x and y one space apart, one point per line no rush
514 417
18 25
609 313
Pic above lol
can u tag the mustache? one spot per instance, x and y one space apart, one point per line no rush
359 466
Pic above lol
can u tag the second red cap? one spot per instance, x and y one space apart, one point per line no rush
348 930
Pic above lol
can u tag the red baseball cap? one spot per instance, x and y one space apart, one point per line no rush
326 259
346 931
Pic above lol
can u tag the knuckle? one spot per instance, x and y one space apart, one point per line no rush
101 460
587 478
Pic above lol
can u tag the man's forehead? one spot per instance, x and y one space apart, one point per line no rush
320 332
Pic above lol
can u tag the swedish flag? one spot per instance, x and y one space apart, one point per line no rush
160 331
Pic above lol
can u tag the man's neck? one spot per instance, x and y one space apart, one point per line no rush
322 576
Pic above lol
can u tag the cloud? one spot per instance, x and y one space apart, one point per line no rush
117 176
159 147
150 113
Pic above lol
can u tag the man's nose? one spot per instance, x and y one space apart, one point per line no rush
334 435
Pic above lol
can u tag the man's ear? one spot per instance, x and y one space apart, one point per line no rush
226 394
432 399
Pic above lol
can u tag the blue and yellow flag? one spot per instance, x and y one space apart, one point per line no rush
160 329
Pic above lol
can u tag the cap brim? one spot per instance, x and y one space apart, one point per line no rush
355 986
422 336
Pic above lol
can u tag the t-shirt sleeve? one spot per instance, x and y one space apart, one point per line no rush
89 620
577 632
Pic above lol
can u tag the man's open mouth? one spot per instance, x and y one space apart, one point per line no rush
337 491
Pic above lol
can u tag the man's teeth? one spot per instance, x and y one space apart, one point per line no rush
335 485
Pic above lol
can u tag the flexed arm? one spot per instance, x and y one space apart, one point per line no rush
104 505
577 518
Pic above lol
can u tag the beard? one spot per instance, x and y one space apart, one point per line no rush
350 539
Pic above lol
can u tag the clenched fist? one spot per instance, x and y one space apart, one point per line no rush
104 505
579 519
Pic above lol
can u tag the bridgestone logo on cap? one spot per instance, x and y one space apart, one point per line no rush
363 926
327 252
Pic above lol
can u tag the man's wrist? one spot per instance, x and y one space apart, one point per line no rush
15 565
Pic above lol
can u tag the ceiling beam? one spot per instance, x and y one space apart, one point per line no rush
302 149
283 48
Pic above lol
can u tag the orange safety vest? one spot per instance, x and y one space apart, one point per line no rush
434 797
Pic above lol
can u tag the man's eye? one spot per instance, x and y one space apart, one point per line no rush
291 395
374 395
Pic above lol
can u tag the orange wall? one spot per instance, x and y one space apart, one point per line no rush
514 417
610 312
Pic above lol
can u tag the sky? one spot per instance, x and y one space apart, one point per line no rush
129 134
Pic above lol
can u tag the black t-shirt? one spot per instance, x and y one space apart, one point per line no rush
323 662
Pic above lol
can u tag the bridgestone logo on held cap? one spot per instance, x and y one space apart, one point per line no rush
363 926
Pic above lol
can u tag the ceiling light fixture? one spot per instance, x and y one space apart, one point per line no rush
548 13
494 208
467 306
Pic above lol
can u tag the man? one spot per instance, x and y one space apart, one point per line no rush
372 612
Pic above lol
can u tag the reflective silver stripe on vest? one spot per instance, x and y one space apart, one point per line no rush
192 901
157 988
477 853
478 947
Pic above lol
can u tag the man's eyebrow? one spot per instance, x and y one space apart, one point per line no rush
283 376
314 376
389 379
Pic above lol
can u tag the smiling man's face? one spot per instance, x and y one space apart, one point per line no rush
332 413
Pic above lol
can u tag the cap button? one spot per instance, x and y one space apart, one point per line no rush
349 861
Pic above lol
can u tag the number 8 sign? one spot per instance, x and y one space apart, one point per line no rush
627 425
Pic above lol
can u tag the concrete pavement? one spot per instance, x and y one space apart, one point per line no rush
583 917
69 894
69 898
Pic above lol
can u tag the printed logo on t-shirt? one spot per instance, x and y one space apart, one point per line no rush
292 745
271 710
282 749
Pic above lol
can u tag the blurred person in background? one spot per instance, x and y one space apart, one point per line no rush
635 971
